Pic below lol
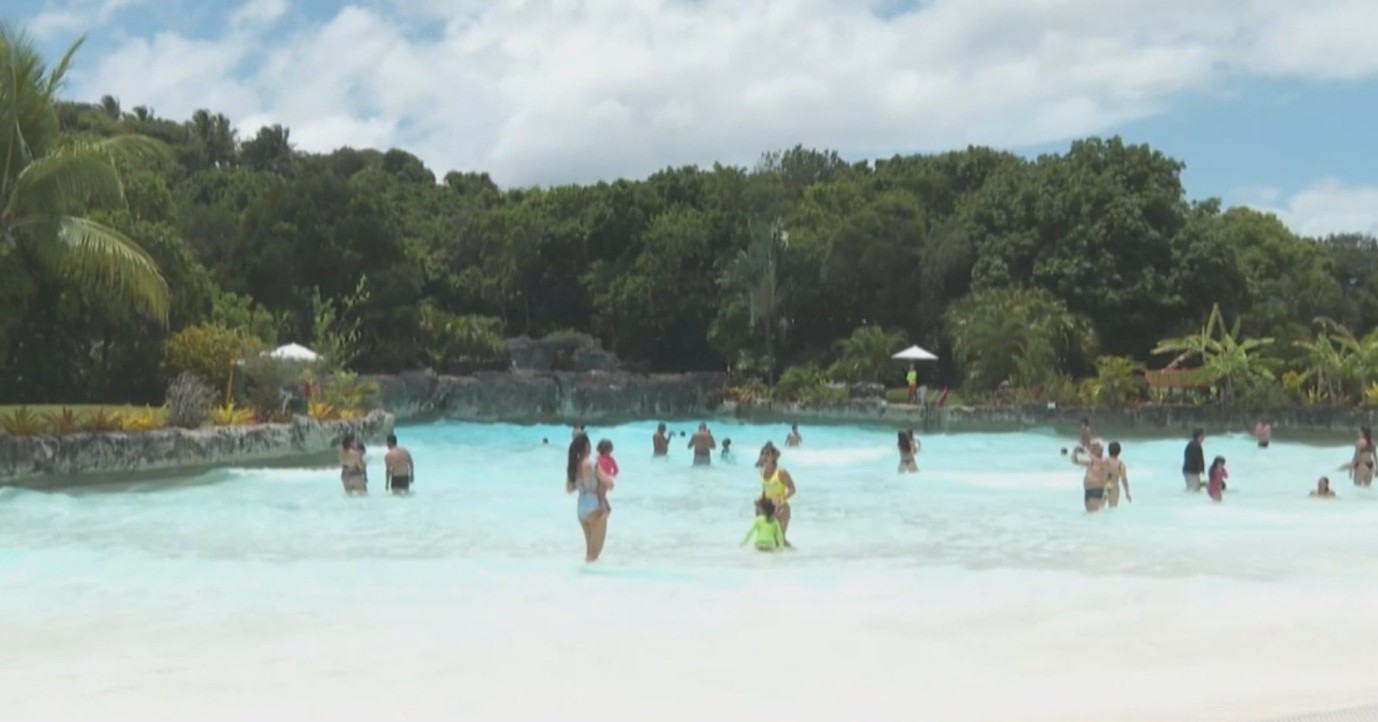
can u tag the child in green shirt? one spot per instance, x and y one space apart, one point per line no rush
765 529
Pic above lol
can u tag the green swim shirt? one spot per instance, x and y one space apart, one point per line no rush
767 533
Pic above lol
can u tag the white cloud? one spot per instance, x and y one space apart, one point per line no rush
258 12
1325 207
75 16
539 91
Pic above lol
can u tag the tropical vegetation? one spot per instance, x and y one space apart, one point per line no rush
136 248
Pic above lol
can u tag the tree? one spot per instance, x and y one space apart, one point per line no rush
866 354
1024 336
1225 357
754 275
47 182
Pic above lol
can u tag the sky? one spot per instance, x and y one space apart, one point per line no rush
1268 102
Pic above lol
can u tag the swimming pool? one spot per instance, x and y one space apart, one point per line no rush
978 589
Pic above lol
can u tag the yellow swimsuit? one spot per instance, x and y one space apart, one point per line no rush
775 490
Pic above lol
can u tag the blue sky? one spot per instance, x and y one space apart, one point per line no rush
1266 102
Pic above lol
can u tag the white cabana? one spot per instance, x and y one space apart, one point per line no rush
294 352
915 353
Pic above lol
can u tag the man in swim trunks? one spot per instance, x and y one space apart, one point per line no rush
1263 433
660 442
1093 483
397 467
703 445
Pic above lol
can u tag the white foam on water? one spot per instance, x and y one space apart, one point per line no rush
976 590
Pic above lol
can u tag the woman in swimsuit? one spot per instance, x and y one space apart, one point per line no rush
776 485
907 449
592 484
1360 468
1093 483
353 470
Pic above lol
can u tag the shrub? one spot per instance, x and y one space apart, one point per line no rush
322 411
231 415
458 343
189 401
266 379
63 422
136 420
806 384
345 392
22 422
749 391
100 422
865 355
208 350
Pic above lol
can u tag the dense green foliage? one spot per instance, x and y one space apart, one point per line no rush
1013 270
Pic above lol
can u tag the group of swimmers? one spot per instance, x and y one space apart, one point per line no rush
591 478
1105 476
398 471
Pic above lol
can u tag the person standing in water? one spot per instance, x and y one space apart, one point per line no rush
793 439
1084 437
1360 467
1194 460
1117 475
1263 433
703 445
727 456
397 468
765 530
1215 486
776 485
353 468
660 442
907 448
1093 482
592 485
1323 490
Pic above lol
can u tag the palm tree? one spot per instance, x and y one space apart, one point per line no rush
46 181
754 274
1325 365
1357 355
865 355
1225 358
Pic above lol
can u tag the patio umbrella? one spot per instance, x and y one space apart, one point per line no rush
914 353
294 352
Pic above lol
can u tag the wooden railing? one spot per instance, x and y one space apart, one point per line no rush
1174 379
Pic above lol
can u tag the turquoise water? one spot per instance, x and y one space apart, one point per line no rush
268 591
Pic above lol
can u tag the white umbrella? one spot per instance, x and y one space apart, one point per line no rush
294 352
914 353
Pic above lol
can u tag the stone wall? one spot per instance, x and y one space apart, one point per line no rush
567 352
1145 420
561 397
27 458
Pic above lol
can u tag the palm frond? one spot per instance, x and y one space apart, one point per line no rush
65 180
98 254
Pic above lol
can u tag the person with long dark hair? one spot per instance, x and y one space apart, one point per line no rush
353 468
908 446
776 485
592 485
1360 467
